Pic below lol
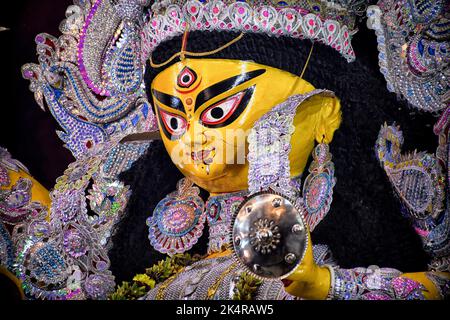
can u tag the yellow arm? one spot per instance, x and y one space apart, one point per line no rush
431 292
10 176
311 281
318 289
38 192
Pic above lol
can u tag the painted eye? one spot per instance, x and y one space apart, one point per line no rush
221 111
175 124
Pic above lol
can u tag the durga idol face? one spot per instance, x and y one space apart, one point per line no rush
207 107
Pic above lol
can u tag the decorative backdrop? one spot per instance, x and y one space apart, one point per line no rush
364 225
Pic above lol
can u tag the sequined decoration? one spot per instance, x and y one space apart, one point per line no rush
321 21
318 186
6 248
92 75
15 203
373 283
414 52
62 254
219 210
419 182
269 168
178 220
108 197
4 177
417 177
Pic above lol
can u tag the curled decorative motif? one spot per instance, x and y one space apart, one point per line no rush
91 76
318 186
108 198
417 177
63 255
219 210
16 205
414 52
419 182
269 146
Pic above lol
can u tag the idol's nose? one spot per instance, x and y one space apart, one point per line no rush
200 139
196 136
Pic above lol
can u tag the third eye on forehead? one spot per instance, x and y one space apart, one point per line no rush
208 93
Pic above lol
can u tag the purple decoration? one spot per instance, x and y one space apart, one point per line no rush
178 220
269 165
28 74
219 210
74 243
81 66
98 286
4 177
66 206
39 39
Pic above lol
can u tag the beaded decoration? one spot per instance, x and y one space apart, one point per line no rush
417 177
414 49
178 220
6 247
62 254
419 182
373 283
269 168
219 211
330 23
318 186
92 80
91 76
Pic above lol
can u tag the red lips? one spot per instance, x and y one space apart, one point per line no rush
201 155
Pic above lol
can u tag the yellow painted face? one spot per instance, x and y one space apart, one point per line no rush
206 108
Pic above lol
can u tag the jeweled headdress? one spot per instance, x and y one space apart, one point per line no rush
328 22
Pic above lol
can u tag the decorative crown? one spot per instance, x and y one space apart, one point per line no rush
328 22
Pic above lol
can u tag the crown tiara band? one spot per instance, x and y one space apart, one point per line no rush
326 22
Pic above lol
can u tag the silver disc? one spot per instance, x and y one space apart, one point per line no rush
269 235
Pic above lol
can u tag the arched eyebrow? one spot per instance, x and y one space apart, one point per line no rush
225 85
169 100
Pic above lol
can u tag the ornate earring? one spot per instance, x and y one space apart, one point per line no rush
178 220
318 186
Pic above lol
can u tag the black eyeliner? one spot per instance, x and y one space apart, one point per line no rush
169 100
225 85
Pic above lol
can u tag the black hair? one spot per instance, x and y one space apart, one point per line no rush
364 226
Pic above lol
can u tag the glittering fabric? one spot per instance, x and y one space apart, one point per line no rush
373 283
269 146
178 220
297 19
219 211
414 49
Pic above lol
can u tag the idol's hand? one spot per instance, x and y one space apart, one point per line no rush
309 281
